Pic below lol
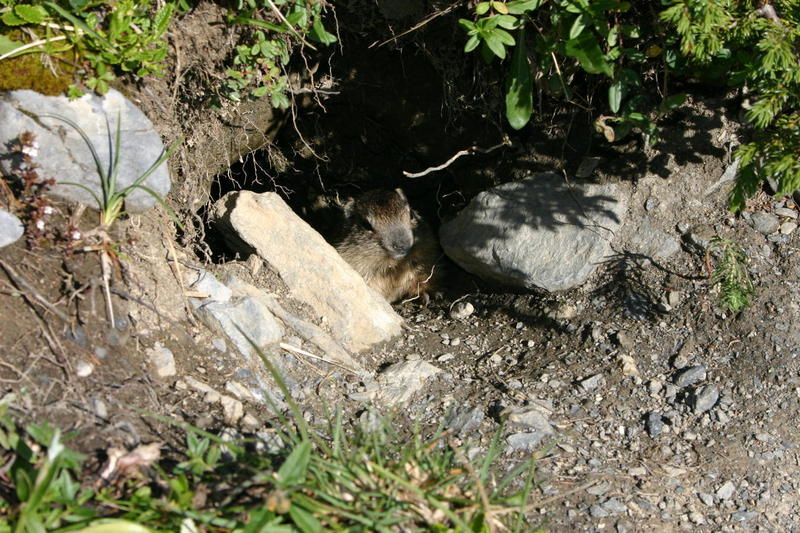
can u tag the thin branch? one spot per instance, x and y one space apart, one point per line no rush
31 45
23 285
290 348
467 151
422 23
289 25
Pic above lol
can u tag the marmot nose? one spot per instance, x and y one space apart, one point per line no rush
400 244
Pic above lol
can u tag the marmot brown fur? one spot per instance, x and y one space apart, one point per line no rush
387 243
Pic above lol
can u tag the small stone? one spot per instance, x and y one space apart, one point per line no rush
614 506
196 385
445 357
592 382
84 369
726 491
788 228
599 489
528 441
637 471
786 212
250 422
98 407
212 396
654 424
651 204
461 310
654 387
706 498
743 516
233 409
464 420
455 342
690 376
628 364
100 352
597 511
705 398
765 223
623 340
240 391
11 229
162 359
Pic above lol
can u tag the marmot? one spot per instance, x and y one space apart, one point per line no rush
386 242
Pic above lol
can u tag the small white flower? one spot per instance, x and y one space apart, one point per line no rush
40 224
48 210
75 235
32 149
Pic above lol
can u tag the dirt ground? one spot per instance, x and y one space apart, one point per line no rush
629 452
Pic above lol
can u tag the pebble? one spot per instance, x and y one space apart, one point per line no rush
592 382
100 352
445 357
706 498
98 407
465 419
690 376
788 227
651 204
84 369
162 359
599 489
614 506
461 310
726 491
705 398
597 511
765 223
233 409
743 516
218 344
654 424
11 229
785 212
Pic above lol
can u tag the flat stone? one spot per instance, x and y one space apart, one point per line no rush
398 383
726 491
537 232
465 419
787 228
11 229
705 398
765 223
233 409
648 240
65 155
357 316
690 376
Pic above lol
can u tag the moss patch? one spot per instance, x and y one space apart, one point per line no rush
28 72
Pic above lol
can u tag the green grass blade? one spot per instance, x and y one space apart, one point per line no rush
85 188
78 23
86 139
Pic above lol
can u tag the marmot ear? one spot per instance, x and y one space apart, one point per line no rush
401 194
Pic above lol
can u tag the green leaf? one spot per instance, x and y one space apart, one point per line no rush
518 7
482 8
114 526
519 93
508 22
10 18
587 51
472 43
304 520
615 96
495 44
319 34
293 470
672 102
31 14
467 25
578 25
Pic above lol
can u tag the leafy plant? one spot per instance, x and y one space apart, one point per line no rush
125 36
731 275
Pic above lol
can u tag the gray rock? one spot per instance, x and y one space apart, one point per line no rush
788 227
765 223
654 424
240 319
650 241
706 498
690 376
786 212
592 382
399 382
699 237
531 418
84 369
743 516
705 398
232 409
463 420
537 232
357 316
162 360
726 491
597 511
67 157
527 441
614 506
98 407
11 229
204 282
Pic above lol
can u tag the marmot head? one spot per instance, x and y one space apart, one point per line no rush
387 215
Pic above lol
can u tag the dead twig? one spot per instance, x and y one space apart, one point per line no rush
290 348
467 151
176 271
421 23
